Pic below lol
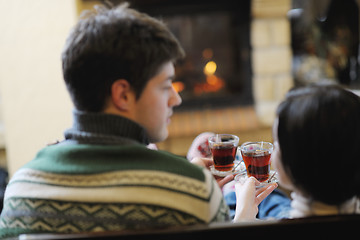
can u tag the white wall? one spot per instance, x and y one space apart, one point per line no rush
36 106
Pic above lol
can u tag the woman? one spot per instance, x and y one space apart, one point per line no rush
317 150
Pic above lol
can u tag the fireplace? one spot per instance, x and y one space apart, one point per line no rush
216 71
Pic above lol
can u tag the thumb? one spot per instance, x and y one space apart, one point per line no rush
225 180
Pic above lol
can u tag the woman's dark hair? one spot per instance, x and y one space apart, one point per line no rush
319 137
111 44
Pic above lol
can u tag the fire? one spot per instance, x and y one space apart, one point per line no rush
213 83
210 68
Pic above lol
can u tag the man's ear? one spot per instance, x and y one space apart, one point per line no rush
122 95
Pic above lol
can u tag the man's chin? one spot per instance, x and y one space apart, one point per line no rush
159 137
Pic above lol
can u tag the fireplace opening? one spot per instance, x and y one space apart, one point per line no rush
216 71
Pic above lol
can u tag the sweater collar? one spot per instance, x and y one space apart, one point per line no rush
101 128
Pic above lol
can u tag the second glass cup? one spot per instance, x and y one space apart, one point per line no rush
256 156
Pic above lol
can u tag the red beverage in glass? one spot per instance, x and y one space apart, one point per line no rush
257 165
256 156
224 157
223 148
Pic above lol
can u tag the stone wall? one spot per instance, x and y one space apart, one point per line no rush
271 55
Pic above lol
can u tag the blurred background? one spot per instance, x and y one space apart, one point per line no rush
242 58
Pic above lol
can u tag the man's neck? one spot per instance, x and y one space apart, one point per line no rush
105 128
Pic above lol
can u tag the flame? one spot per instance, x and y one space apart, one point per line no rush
213 82
210 68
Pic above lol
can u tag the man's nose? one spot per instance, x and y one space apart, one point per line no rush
175 99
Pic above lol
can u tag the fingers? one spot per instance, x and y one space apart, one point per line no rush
263 192
223 181
204 162
252 181
208 162
247 187
256 182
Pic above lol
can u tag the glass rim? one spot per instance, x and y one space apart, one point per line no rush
234 138
258 142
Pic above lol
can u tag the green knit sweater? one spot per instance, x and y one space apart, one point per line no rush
96 187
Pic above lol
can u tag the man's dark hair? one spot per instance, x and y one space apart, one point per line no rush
111 44
319 137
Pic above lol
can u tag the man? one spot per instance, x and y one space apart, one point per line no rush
118 68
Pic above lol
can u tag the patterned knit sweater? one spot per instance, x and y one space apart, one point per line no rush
114 183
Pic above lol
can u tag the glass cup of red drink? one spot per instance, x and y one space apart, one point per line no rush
223 148
256 156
